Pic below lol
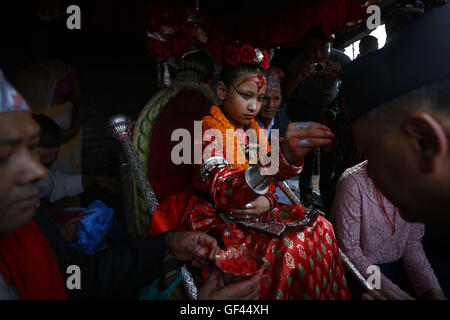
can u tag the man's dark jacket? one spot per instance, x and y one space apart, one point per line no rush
112 274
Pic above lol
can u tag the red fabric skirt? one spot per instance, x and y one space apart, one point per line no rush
300 265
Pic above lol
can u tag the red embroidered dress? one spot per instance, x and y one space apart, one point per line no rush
300 265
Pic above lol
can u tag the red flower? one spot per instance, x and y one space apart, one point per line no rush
248 53
238 265
232 55
265 63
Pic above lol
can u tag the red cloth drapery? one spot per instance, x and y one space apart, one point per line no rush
280 23
286 26
272 25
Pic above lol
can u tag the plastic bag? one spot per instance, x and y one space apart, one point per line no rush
93 228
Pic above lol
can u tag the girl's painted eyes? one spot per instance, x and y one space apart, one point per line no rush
246 97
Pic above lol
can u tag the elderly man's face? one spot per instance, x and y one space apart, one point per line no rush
20 169
271 104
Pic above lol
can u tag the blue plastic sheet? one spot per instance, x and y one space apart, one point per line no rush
93 228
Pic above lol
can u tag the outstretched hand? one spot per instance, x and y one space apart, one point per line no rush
198 247
246 290
303 137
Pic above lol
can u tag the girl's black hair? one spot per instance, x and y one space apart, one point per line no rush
231 73
201 61
50 132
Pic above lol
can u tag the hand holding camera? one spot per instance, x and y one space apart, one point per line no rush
327 67
332 68
318 67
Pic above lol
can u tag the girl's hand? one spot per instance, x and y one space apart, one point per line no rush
303 137
254 209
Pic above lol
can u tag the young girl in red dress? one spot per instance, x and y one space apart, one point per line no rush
300 264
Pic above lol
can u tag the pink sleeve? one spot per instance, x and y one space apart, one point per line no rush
346 215
416 262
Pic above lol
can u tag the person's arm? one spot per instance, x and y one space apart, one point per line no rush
232 188
63 185
419 268
346 213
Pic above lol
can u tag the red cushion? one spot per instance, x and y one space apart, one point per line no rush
165 177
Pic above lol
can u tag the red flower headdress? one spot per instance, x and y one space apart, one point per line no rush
246 54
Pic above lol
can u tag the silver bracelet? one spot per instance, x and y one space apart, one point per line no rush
210 164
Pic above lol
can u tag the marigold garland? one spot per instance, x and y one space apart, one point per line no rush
217 120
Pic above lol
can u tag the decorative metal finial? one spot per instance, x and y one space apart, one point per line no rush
118 125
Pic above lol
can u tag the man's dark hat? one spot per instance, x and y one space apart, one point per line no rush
418 55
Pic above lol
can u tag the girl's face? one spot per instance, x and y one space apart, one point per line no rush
242 100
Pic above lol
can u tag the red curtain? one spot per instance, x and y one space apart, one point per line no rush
286 26
263 25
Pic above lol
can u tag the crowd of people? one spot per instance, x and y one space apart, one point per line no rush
374 212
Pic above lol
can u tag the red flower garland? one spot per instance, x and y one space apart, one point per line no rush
286 215
238 265
246 54
232 55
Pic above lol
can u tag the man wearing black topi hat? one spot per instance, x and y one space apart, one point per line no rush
398 99
400 111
